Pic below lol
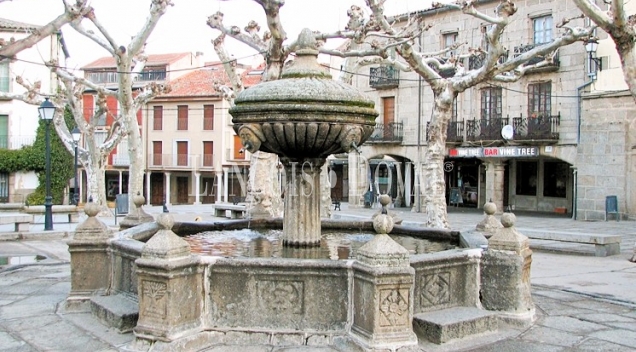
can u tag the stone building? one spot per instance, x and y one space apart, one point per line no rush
519 144
19 120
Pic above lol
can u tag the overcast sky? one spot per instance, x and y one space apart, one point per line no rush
183 28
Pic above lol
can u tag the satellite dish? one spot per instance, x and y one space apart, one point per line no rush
507 132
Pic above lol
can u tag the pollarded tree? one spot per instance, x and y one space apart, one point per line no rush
130 61
446 89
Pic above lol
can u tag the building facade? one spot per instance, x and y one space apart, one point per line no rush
515 143
19 120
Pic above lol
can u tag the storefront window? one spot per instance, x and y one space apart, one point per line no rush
527 178
555 177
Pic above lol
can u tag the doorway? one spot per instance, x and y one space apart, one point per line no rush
182 190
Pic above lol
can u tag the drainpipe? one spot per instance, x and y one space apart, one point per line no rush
418 173
579 89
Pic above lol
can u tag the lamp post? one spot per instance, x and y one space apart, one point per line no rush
76 137
47 110
590 46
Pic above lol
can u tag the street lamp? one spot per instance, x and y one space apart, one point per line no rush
47 110
76 137
590 46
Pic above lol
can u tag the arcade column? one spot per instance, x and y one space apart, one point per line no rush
495 182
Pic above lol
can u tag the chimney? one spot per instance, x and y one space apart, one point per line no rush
198 59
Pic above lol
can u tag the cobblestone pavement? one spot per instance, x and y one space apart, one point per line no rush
583 303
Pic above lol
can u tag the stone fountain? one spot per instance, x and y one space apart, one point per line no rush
303 117
384 299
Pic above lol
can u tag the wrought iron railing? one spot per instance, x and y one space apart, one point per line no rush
15 142
454 132
525 128
477 61
387 133
181 161
537 127
384 77
553 65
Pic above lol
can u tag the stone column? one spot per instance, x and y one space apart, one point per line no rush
495 183
226 182
167 177
170 285
407 185
197 187
325 192
148 173
136 215
90 258
505 276
219 185
383 291
263 193
121 181
301 225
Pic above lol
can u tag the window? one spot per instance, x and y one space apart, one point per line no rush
182 117
555 177
239 151
101 119
157 153
182 153
491 103
454 116
208 117
527 178
485 45
157 118
4 76
449 39
4 131
208 153
542 29
539 100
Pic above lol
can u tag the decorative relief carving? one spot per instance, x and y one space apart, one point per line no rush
394 306
435 289
281 296
155 304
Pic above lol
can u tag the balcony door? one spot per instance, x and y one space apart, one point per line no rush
388 116
156 153
208 153
182 153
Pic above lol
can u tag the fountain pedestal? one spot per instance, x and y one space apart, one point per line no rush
302 199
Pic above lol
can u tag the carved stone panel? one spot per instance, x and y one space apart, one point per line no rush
155 303
281 296
394 307
436 289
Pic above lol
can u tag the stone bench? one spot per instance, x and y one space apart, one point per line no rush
21 221
71 210
604 245
237 211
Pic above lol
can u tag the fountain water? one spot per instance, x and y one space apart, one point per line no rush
375 302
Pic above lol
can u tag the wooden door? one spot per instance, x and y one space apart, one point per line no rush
156 189
182 190
208 153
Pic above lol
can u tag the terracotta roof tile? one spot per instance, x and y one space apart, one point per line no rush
9 24
198 83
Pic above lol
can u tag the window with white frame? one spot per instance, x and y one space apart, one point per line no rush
4 76
491 103
449 39
542 29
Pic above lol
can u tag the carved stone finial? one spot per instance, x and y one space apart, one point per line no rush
165 220
508 220
490 223
91 209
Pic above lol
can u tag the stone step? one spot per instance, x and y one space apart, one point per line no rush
448 324
117 311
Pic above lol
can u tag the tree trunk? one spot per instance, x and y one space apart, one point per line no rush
434 183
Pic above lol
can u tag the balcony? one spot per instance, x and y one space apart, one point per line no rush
384 77
121 159
551 67
181 161
454 132
477 61
539 128
15 142
390 133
